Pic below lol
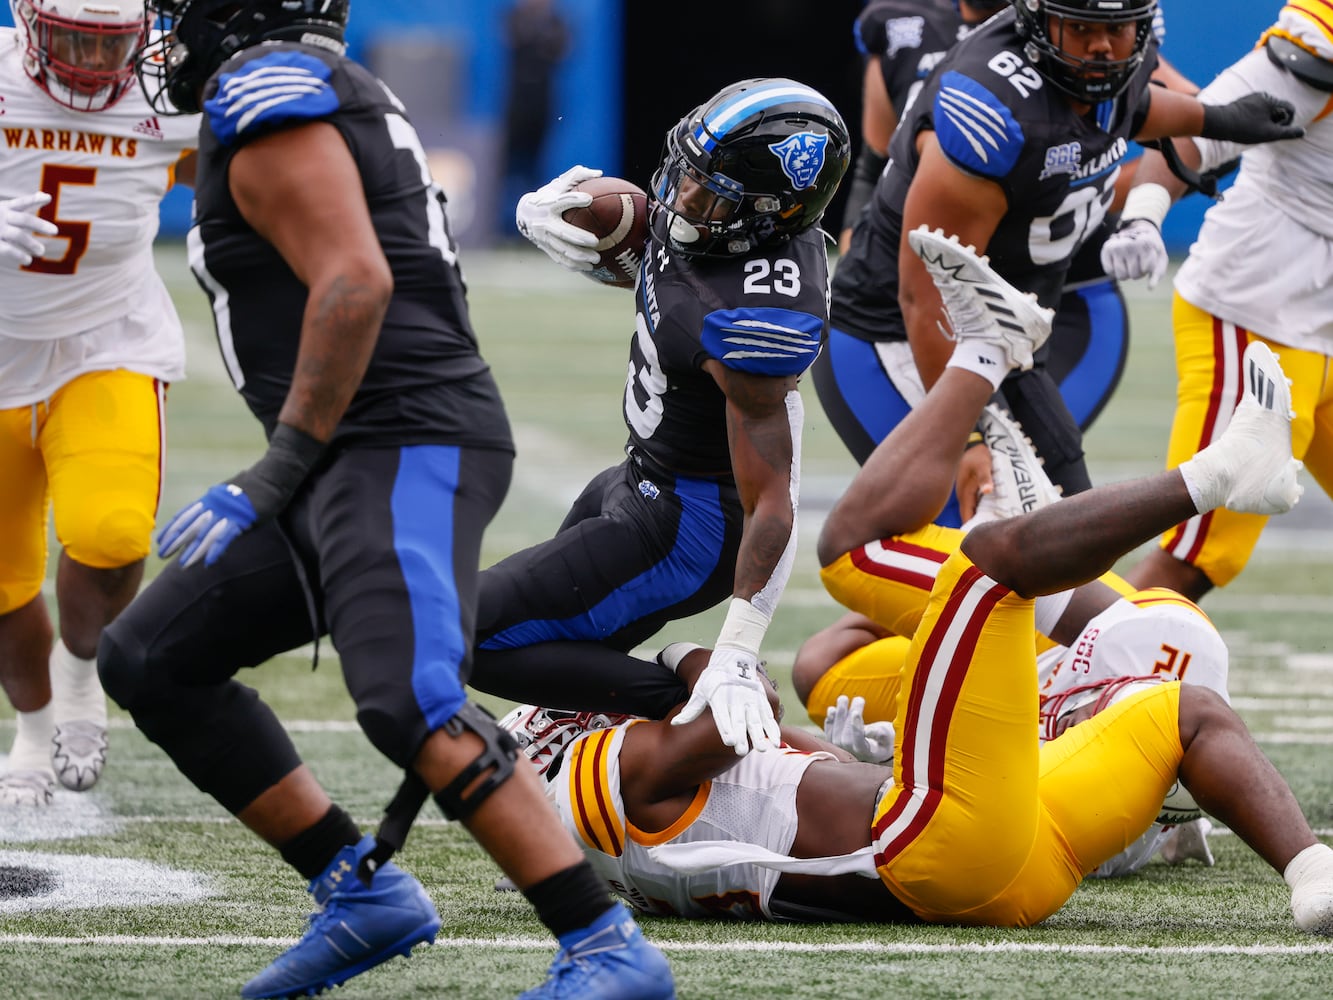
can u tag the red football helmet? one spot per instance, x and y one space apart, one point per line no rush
81 52
543 734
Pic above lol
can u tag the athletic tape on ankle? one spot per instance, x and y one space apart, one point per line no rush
980 358
744 626
1192 472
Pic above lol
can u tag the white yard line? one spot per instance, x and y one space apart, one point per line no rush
514 943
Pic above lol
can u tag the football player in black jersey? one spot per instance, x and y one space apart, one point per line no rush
1014 143
323 245
731 308
902 41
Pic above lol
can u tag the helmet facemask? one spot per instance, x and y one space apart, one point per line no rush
1048 24
81 52
702 214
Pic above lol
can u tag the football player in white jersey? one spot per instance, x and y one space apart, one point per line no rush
89 339
1259 270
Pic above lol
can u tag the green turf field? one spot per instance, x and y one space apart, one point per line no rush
154 892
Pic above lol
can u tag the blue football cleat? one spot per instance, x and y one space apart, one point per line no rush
355 928
612 962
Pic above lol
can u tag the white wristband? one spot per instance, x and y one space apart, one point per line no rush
744 626
1147 201
981 358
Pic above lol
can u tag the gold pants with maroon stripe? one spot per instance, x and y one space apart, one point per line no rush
889 582
1208 360
981 826
93 451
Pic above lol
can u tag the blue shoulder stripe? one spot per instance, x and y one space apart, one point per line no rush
763 341
275 88
975 128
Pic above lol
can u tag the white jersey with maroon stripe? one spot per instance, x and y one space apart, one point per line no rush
753 802
95 300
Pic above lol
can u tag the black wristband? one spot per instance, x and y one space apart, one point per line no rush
272 481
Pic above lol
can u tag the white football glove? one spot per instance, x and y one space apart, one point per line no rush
540 218
18 222
845 727
732 685
1135 250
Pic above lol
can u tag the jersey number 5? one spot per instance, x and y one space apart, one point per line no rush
75 232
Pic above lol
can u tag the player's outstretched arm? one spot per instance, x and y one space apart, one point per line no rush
1231 780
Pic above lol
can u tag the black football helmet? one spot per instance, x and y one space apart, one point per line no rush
756 163
1042 23
198 36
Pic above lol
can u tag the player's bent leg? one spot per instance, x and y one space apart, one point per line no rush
1249 468
102 443
872 672
965 761
26 778
889 581
820 651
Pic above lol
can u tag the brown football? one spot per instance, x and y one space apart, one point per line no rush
618 217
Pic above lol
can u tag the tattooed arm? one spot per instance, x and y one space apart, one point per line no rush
300 189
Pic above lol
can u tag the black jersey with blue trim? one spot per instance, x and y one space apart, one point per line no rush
426 382
997 118
765 314
910 37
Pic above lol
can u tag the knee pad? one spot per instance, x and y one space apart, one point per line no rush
493 766
121 665
109 539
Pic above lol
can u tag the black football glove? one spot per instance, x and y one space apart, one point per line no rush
1253 118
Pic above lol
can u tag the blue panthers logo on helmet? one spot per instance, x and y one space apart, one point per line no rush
802 157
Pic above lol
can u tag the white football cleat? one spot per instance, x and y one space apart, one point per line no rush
1188 842
1020 483
78 753
1250 468
30 788
79 745
980 304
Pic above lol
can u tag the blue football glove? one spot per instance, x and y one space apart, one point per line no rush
206 527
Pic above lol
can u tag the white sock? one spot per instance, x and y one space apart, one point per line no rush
32 743
75 687
1315 862
982 358
1048 608
1208 479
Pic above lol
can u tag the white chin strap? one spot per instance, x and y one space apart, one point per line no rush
682 232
